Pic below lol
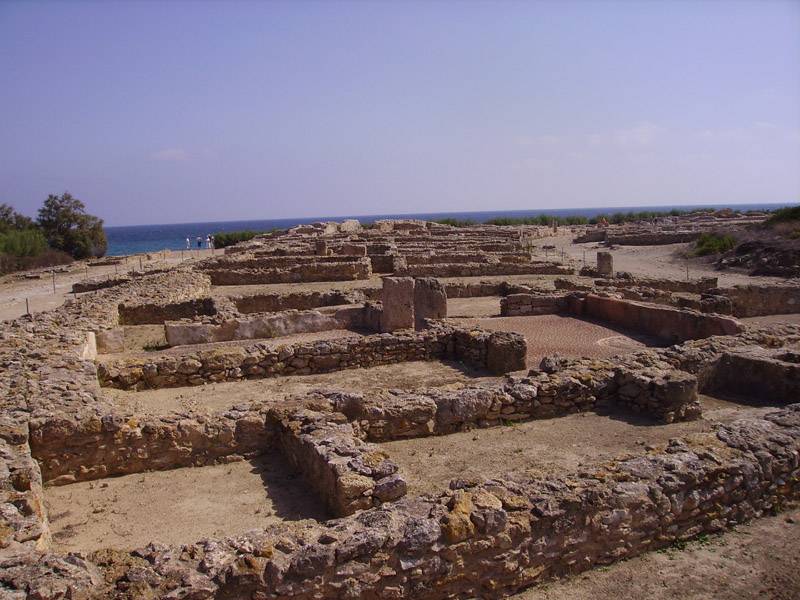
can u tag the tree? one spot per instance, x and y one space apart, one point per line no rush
11 219
68 227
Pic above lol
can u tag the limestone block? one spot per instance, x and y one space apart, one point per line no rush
506 352
353 250
110 341
398 303
605 264
430 300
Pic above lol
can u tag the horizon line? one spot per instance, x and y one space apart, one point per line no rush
466 212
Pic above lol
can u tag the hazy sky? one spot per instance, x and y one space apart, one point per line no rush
176 112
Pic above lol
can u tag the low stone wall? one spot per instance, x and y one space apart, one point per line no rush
758 300
90 447
652 238
272 261
264 326
693 286
347 473
316 271
664 394
475 539
592 235
532 304
258 303
770 376
433 258
482 269
156 314
91 285
665 322
497 351
387 263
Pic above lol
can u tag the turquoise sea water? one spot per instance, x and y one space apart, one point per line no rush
152 238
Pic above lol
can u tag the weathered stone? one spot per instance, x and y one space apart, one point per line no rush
398 303
430 300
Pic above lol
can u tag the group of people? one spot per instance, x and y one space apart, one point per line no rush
209 242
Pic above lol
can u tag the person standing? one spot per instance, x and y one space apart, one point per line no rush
188 243
199 243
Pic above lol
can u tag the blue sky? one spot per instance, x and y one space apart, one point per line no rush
177 112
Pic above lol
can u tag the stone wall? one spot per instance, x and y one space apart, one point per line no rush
660 392
757 300
475 539
761 375
257 303
665 322
316 271
654 238
347 473
87 447
473 346
387 263
482 269
264 326
158 313
532 304
693 286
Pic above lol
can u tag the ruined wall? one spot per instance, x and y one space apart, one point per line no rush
665 322
655 238
157 313
532 304
89 447
757 300
768 376
315 271
263 326
475 539
693 286
482 269
347 473
257 303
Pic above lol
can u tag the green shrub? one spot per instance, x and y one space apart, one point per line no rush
456 222
713 243
783 215
24 242
68 227
224 239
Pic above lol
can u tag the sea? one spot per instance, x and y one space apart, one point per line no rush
136 239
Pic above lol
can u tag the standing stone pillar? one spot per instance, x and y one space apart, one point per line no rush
605 264
321 248
398 303
430 300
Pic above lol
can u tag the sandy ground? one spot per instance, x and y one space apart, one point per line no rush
220 396
648 261
756 561
772 319
178 506
15 288
568 336
487 306
544 447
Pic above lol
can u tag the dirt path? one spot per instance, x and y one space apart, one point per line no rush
15 288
